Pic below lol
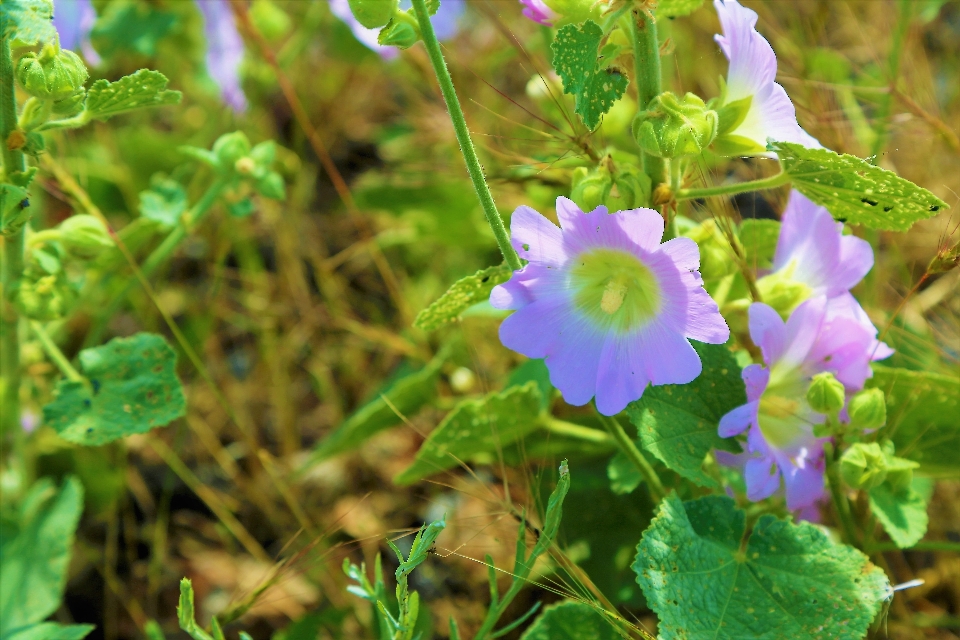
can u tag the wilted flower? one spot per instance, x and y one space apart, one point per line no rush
73 20
607 306
754 106
445 24
777 416
224 51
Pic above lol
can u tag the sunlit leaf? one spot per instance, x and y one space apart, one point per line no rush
139 90
464 293
32 20
575 57
570 620
759 239
855 191
784 581
133 387
902 511
51 631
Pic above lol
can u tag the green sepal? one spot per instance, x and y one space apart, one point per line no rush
731 115
731 145
403 31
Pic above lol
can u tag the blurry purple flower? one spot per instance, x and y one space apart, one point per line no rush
29 420
607 306
812 252
73 20
539 12
445 24
753 68
224 51
778 420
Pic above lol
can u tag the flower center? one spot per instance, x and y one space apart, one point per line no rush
615 289
785 416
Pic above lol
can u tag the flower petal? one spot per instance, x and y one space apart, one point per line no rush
683 251
535 238
809 244
753 64
762 477
767 331
574 363
802 329
667 357
772 115
738 420
534 329
804 484
755 377
645 228
621 378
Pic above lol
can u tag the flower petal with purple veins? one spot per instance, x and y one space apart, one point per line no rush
607 306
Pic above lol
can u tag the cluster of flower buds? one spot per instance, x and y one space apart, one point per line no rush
55 76
615 187
397 28
868 465
672 127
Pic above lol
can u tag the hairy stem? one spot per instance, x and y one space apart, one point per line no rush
571 430
463 135
647 75
629 449
772 182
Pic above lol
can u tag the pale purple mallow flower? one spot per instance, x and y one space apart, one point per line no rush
752 71
779 422
445 24
224 51
539 12
73 20
607 306
814 258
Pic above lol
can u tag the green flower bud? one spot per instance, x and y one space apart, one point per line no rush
70 106
230 147
53 74
631 189
373 13
272 21
826 394
45 298
868 409
863 466
671 127
271 186
402 31
590 187
84 237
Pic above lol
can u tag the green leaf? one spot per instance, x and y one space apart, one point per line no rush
464 293
783 581
186 614
570 620
133 388
12 215
678 423
35 555
132 27
575 57
51 631
405 396
759 239
623 474
476 430
32 20
139 90
677 8
165 201
537 371
902 512
922 410
855 191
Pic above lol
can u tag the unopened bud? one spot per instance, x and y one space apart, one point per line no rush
84 237
826 394
271 186
590 187
864 466
53 74
70 106
373 13
45 298
402 31
245 166
632 189
868 409
672 127
230 147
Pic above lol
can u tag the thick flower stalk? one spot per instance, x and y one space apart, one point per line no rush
778 419
814 258
754 107
607 306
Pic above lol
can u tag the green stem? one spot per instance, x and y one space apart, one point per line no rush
648 76
569 429
840 503
629 449
11 268
772 182
53 352
905 8
463 135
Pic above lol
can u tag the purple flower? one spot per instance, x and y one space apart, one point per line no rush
445 24
753 68
73 20
814 258
779 422
539 12
606 305
224 51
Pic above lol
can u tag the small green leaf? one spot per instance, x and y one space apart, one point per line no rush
35 554
186 614
759 240
32 20
855 191
678 423
784 581
623 474
575 57
476 430
677 8
51 631
537 371
570 620
902 512
12 215
464 293
139 90
922 410
165 201
405 395
133 387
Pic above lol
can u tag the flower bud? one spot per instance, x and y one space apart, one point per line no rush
230 147
84 237
53 74
590 187
70 106
245 166
868 409
671 127
826 394
863 466
631 189
402 31
271 186
45 297
373 13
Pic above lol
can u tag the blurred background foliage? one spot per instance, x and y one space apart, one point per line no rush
301 312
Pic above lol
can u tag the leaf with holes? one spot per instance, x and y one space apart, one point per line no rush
464 293
855 191
785 580
570 620
32 20
131 387
677 8
575 57
139 90
476 430
678 422
922 410
35 554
